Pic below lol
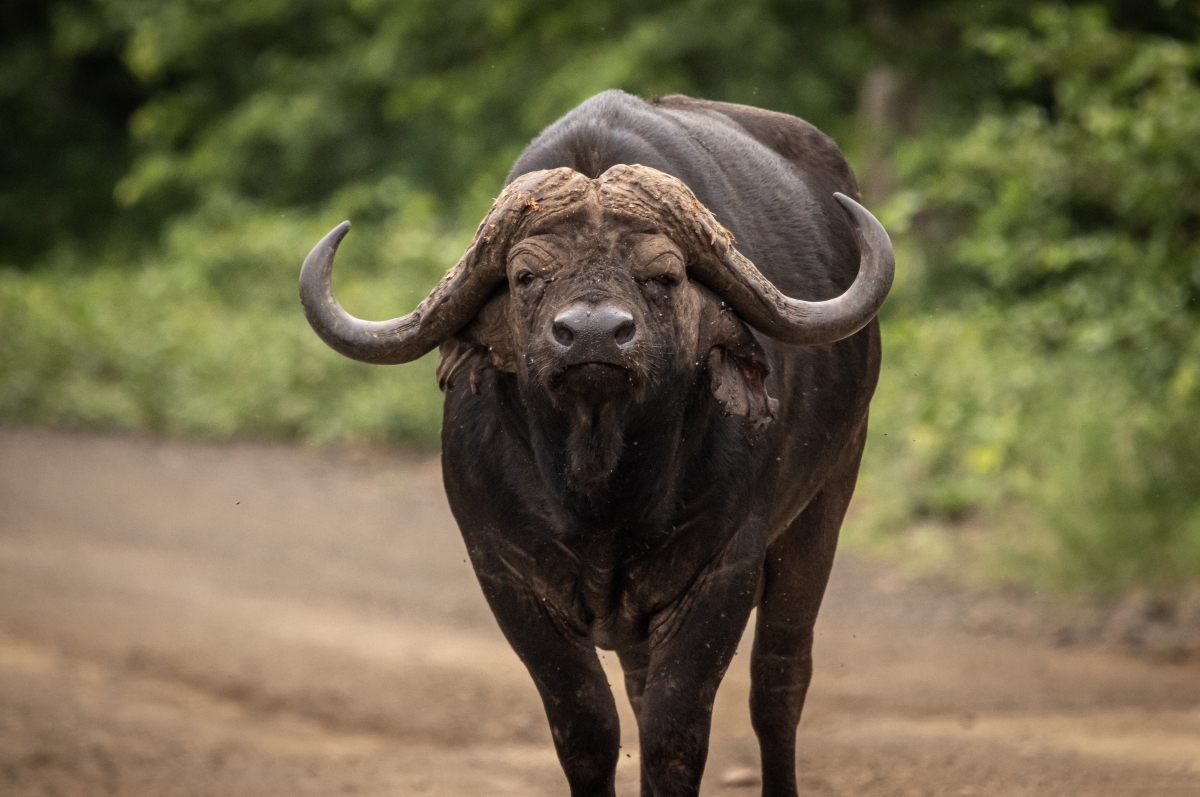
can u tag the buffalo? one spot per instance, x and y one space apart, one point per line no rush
658 354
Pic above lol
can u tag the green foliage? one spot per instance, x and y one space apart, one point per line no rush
1061 242
208 340
248 121
1083 215
167 164
285 102
65 97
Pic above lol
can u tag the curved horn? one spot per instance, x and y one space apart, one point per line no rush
399 340
737 281
800 322
453 302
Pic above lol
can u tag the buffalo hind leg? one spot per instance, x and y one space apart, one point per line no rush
634 664
573 686
794 579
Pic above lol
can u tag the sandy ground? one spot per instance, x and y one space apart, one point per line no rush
183 619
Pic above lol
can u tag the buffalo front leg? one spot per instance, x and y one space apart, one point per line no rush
794 579
691 646
573 686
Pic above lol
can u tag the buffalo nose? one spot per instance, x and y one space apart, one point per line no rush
593 327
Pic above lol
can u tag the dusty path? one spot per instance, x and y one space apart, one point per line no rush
181 619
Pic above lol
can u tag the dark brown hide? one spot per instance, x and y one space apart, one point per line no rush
627 198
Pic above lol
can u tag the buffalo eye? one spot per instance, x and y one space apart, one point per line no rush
525 278
664 269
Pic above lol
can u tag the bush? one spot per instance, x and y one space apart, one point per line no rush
1055 392
209 339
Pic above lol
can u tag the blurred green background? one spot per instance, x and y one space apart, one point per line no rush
167 164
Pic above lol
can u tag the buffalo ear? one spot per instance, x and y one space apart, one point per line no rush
484 343
738 370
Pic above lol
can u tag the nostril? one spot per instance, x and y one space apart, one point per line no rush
563 334
593 330
624 333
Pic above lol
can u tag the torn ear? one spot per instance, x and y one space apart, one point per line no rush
484 343
738 370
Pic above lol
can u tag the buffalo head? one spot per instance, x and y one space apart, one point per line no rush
601 295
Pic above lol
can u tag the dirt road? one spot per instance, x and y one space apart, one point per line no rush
182 619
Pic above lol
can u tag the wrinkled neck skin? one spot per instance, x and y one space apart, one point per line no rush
612 459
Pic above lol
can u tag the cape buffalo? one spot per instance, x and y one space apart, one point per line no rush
657 353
